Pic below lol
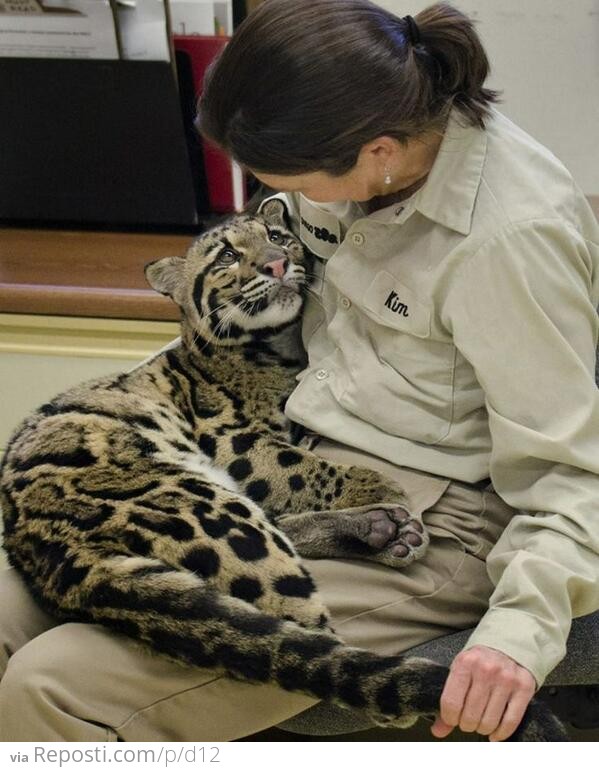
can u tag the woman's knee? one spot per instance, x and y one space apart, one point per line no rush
21 618
82 682
19 683
46 693
22 694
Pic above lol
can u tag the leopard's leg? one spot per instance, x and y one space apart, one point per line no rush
365 513
176 613
89 558
385 534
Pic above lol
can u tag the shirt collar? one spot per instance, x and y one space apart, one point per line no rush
449 194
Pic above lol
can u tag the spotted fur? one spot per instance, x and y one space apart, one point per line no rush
169 503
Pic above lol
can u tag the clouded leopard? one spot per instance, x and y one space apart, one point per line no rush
169 503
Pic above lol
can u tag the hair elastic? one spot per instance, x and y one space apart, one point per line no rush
413 31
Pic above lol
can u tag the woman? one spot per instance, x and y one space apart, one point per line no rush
451 344
455 328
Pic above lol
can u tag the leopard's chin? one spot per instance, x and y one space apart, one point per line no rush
284 307
285 291
287 296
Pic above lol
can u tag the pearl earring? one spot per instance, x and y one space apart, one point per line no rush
387 177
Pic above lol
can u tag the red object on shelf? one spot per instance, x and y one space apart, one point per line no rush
226 181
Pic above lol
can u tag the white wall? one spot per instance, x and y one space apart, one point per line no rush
544 56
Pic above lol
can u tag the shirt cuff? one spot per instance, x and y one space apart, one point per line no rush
522 637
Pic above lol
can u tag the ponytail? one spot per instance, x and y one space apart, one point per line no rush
453 52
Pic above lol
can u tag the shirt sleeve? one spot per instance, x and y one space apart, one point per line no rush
523 312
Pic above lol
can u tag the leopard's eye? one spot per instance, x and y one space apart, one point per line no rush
227 257
276 237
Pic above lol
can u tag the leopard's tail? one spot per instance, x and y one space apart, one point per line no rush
177 614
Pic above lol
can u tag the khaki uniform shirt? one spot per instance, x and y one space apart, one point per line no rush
455 333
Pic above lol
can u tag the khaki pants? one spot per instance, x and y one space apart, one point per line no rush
83 682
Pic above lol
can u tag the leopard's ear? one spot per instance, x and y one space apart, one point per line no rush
166 275
275 211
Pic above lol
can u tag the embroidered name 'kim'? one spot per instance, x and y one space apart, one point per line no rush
320 233
395 305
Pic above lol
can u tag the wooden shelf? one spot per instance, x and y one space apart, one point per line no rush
90 274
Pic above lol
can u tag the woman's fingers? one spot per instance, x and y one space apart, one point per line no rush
486 692
455 692
494 710
477 702
514 712
440 729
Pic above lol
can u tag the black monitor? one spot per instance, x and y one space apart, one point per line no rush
93 142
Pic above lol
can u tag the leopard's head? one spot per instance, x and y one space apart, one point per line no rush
243 279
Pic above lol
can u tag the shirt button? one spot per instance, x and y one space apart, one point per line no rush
358 238
322 374
345 303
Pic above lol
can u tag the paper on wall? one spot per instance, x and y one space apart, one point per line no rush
67 29
223 11
192 17
143 29
202 17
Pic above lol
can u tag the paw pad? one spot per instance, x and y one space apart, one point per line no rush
392 531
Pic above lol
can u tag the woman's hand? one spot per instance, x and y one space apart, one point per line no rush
486 692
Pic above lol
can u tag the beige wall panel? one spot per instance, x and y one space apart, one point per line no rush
41 356
30 380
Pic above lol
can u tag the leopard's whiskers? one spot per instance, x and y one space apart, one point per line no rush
315 296
205 317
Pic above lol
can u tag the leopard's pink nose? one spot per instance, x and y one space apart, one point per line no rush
276 267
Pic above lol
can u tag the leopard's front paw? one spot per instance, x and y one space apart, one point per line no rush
398 537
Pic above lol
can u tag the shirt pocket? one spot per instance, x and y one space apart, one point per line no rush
405 385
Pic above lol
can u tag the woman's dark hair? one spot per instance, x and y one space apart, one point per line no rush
304 84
